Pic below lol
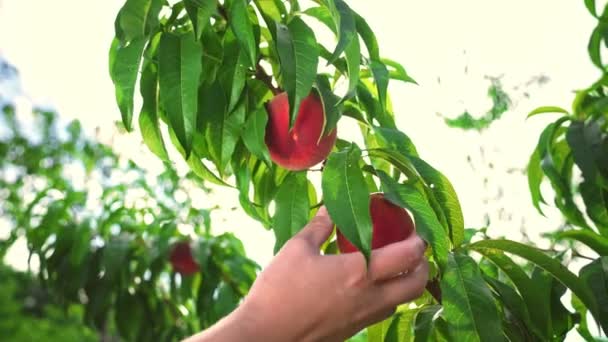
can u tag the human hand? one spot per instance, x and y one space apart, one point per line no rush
305 296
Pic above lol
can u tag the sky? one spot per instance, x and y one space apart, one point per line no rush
61 51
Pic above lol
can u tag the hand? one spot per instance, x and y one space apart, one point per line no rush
305 296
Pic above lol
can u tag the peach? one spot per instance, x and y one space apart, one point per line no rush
390 223
182 260
298 148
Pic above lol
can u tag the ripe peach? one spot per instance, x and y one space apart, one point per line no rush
390 222
297 149
181 259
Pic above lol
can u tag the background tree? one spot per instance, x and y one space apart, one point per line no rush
109 245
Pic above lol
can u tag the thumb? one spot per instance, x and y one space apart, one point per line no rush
318 229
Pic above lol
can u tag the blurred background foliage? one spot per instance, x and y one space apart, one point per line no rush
99 232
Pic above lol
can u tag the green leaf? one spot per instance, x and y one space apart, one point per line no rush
588 143
377 332
291 213
425 321
590 4
549 264
512 302
124 67
594 47
401 327
446 196
243 29
200 11
380 73
537 308
233 72
427 225
596 242
398 72
222 129
137 19
353 62
274 9
547 109
180 71
595 278
323 15
299 56
394 139
344 20
202 171
254 134
148 117
346 197
468 305
330 103
535 179
368 36
596 202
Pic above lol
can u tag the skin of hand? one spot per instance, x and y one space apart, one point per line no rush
305 296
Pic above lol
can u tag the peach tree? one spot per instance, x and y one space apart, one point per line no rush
251 97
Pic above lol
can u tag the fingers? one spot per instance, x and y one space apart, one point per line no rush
391 260
318 229
407 287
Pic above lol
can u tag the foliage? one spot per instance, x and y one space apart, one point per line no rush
102 230
206 68
29 313
500 104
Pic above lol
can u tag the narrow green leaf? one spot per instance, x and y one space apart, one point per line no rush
512 302
596 202
124 67
243 29
201 170
200 11
398 72
344 20
529 290
425 321
590 4
353 63
323 15
380 73
291 213
535 179
299 56
401 327
547 109
137 19
148 117
346 197
368 36
596 242
330 103
180 71
254 134
468 305
595 278
549 264
594 47
427 224
446 196
394 139
233 72
274 9
222 129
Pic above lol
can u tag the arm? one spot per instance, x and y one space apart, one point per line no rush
305 296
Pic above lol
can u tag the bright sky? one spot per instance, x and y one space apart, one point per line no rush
60 49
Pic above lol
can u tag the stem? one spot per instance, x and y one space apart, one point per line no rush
261 75
434 289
